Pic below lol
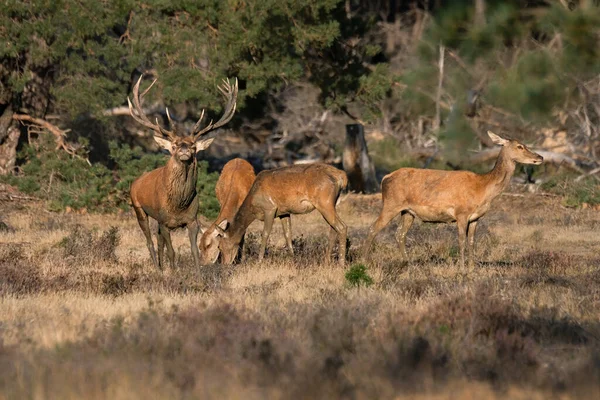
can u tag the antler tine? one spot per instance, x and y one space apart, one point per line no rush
171 123
137 112
230 93
197 124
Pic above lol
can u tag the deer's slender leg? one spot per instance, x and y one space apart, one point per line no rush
462 224
328 212
166 235
388 212
160 242
471 237
330 243
405 224
268 225
243 249
193 229
145 226
286 224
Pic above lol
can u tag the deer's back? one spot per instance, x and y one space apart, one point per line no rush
233 186
297 188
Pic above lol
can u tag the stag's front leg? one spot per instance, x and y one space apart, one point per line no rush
193 229
145 226
160 241
163 232
268 225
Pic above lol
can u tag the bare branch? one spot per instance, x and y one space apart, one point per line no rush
438 97
59 134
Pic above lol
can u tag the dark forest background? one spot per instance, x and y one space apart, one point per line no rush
427 79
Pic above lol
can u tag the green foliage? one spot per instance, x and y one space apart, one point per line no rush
456 136
525 74
531 88
579 38
65 181
209 205
87 50
388 155
357 276
62 180
574 194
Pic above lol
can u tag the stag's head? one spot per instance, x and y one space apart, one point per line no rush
183 148
517 151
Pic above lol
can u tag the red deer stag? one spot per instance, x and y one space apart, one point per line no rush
168 194
233 185
280 192
447 196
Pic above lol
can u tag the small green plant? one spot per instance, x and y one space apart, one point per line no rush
357 276
574 193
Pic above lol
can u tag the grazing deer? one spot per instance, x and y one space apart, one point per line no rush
447 196
233 185
168 194
280 192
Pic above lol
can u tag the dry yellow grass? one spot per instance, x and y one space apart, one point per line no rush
97 321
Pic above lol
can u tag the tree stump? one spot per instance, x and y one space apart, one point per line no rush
356 161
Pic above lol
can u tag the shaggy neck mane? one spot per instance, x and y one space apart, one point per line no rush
181 182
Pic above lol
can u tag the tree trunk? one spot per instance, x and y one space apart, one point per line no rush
479 13
9 138
356 161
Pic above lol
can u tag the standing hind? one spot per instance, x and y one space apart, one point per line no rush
447 196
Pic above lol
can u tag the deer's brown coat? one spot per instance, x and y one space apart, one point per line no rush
447 196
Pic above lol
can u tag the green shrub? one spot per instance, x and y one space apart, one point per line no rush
357 276
574 194
66 181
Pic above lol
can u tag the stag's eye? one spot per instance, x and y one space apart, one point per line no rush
520 147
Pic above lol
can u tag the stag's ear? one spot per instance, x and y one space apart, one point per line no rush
497 139
203 144
163 143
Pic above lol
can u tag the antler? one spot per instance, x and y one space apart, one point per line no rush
139 115
229 92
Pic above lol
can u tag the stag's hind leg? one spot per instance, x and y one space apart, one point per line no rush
164 239
142 218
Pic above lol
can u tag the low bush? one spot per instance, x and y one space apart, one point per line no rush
66 181
574 193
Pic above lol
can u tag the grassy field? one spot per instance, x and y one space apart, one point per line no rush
83 314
